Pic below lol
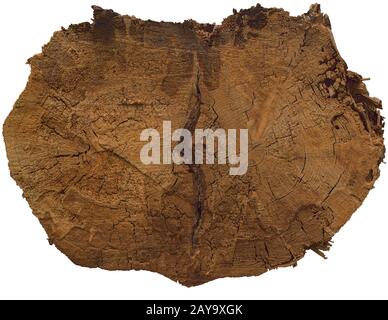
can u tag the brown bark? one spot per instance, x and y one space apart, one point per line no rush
314 150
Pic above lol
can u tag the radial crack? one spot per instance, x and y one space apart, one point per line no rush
195 169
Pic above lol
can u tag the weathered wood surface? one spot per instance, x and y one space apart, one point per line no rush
314 150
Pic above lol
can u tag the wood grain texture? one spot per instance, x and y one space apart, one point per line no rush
316 142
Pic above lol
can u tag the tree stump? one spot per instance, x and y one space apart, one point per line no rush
315 142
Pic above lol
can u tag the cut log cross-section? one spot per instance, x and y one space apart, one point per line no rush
315 142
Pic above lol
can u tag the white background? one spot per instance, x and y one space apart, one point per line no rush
30 268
